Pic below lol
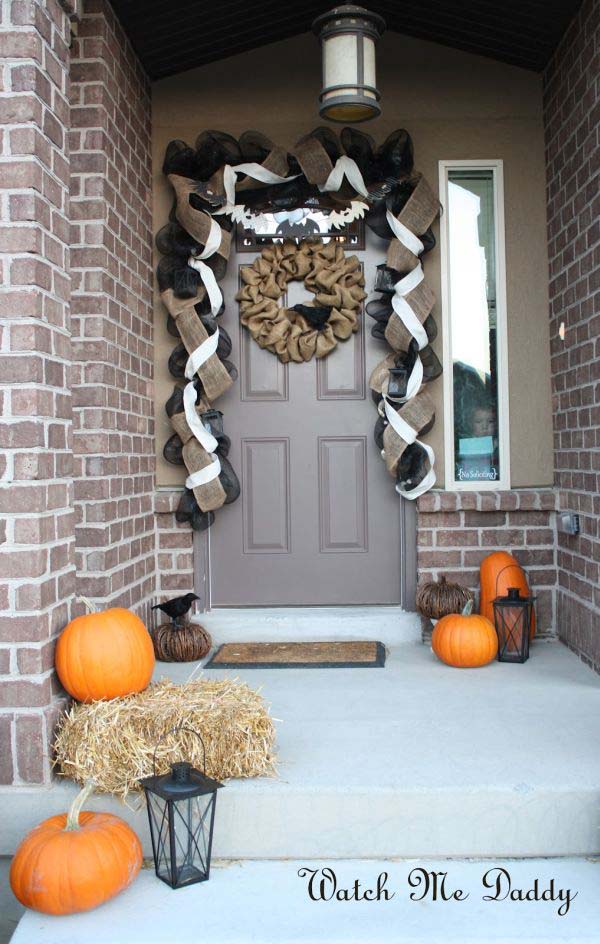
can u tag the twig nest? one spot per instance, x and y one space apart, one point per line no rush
440 598
181 642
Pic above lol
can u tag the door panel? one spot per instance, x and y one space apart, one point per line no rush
343 514
266 495
318 520
262 376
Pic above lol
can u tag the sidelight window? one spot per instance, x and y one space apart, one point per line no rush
474 318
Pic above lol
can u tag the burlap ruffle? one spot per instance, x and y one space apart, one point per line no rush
336 280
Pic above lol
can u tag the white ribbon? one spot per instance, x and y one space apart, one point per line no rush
404 311
412 324
410 281
429 480
345 167
409 435
199 357
206 273
410 320
402 232
207 474
405 432
196 359
201 433
256 171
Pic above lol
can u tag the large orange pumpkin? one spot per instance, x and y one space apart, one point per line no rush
465 640
104 655
497 573
75 861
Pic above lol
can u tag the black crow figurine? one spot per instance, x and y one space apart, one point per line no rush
177 607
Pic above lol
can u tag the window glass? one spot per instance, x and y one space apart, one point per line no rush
473 324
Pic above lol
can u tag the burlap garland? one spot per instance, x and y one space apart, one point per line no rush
213 373
419 413
417 215
313 159
421 300
196 222
211 495
336 280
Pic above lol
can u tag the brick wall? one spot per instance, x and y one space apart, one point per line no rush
571 113
77 466
36 490
111 239
456 530
175 548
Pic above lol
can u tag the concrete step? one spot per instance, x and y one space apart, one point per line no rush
412 760
269 903
388 624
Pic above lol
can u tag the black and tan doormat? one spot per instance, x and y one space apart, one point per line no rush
298 655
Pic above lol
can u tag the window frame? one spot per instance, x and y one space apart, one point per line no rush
504 481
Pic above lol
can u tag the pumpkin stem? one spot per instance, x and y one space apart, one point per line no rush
77 805
468 608
88 604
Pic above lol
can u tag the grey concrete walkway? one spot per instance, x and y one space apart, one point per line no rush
268 903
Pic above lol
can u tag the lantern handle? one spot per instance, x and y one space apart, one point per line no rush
180 727
507 567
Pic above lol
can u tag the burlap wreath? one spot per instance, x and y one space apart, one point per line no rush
337 282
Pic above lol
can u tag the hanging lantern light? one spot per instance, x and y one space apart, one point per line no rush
512 617
348 36
181 811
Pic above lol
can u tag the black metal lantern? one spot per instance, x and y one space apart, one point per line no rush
348 37
513 617
213 421
181 810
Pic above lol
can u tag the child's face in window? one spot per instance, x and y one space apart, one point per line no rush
483 422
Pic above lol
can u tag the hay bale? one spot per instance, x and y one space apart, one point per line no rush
114 741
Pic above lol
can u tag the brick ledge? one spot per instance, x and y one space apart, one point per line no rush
517 499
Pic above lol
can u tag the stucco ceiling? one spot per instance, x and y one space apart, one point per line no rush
171 37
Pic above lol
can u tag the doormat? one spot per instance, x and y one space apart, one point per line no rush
298 655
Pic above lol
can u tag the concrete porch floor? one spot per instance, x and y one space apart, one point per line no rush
415 759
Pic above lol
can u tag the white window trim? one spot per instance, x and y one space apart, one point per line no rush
503 483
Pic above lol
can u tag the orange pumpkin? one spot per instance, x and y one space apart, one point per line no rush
465 640
75 861
498 572
104 655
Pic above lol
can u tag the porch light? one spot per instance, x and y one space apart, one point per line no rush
181 810
348 36
512 618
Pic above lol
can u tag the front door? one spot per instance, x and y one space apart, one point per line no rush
318 519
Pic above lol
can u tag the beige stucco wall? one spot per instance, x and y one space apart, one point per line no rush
455 105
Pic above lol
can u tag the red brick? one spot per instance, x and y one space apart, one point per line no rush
32 749
25 694
6 760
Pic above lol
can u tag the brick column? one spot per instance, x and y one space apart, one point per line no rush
571 99
36 529
111 214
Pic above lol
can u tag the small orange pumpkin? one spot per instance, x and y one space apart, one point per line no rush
75 861
497 573
104 655
465 640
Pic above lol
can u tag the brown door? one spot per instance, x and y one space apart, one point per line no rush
318 520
